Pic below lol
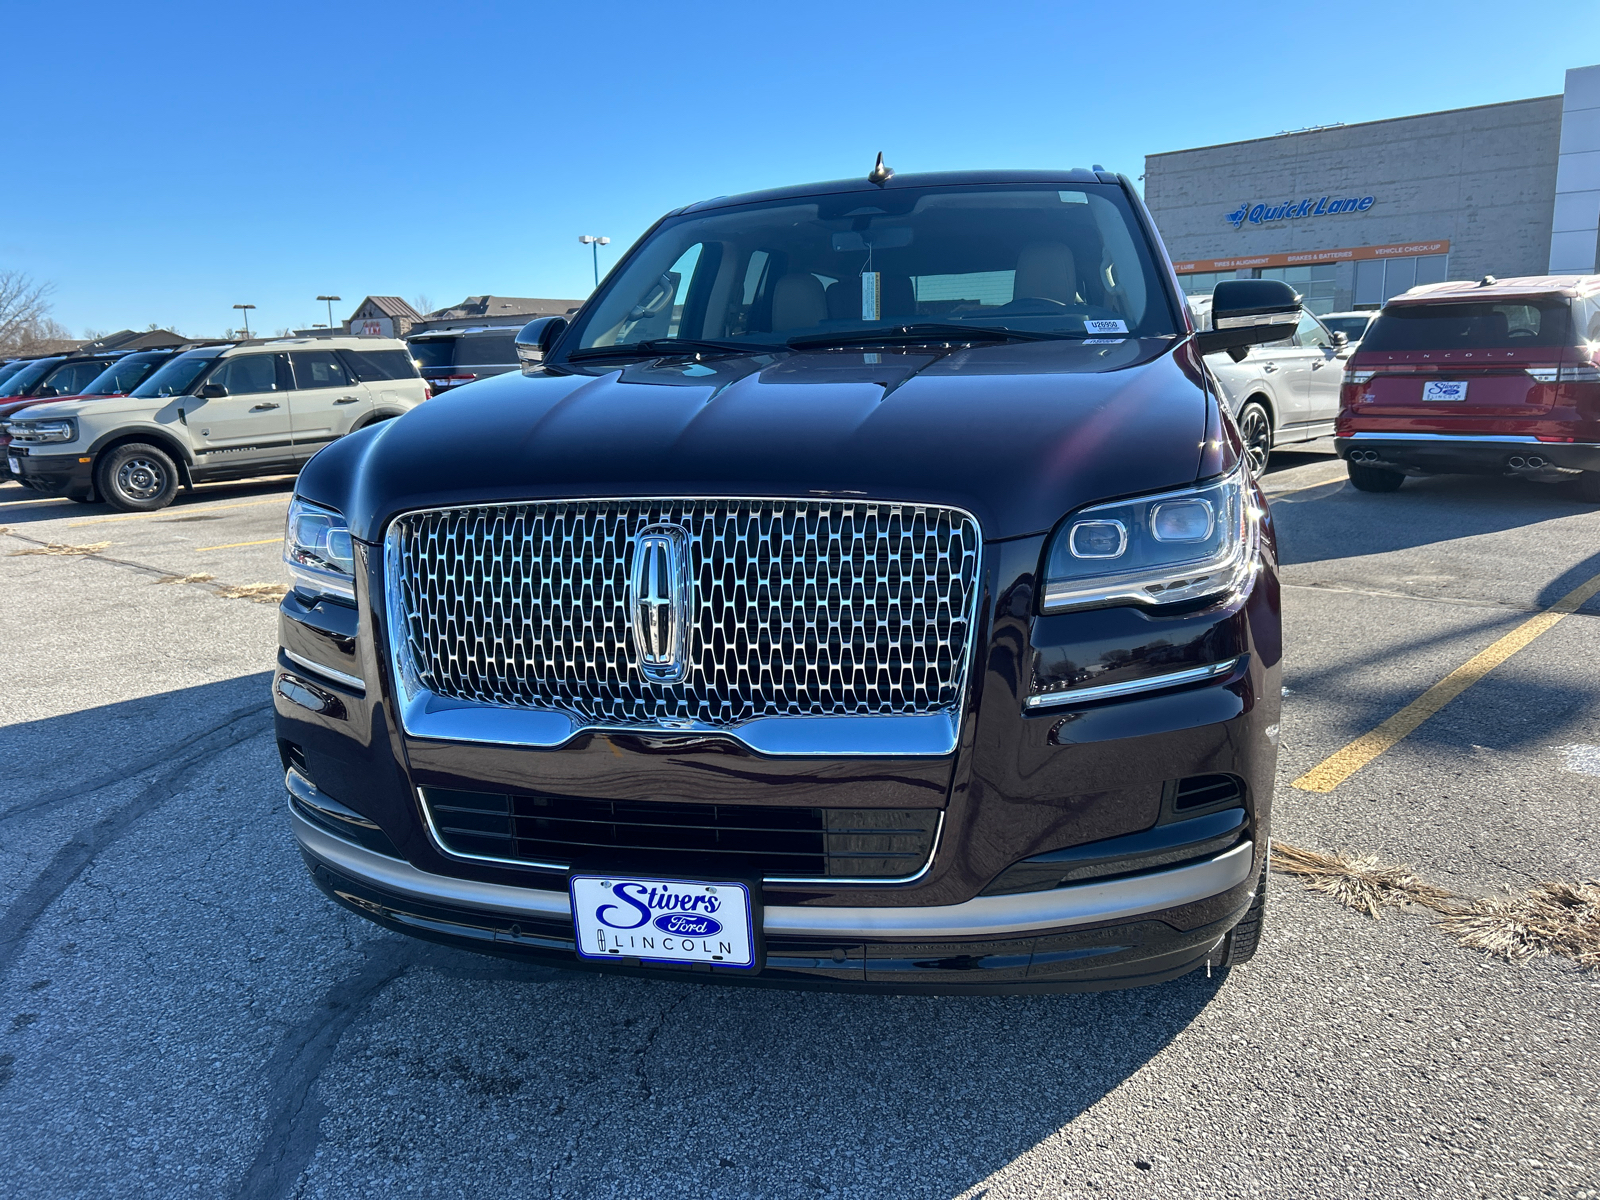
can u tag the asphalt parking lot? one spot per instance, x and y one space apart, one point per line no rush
185 1015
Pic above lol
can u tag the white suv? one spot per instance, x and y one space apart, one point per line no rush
220 412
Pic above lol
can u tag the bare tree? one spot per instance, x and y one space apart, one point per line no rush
423 303
25 323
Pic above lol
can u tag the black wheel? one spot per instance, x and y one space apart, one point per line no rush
1374 479
1244 938
1255 429
136 477
1589 487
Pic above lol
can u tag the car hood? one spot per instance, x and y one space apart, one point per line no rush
1016 434
71 406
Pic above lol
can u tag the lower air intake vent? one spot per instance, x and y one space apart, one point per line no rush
775 843
1206 791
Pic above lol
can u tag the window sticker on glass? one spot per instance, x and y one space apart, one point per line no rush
1074 197
1105 326
869 296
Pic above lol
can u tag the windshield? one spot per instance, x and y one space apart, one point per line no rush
73 378
124 375
1038 260
1351 327
432 353
175 378
11 368
1498 326
27 377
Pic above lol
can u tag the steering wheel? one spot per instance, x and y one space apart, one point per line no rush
1025 305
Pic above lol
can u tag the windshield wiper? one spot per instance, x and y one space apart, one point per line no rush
921 332
664 347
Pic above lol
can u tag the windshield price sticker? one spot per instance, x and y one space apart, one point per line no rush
663 920
1444 389
1105 326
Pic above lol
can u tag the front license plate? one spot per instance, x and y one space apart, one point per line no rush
1444 389
664 920
13 465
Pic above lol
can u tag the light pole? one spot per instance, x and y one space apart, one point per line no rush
588 239
330 300
246 308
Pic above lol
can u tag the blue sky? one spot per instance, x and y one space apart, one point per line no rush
167 162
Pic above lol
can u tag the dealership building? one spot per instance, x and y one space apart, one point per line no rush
1353 214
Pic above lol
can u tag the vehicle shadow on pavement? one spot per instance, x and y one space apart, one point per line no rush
1441 508
625 1086
20 506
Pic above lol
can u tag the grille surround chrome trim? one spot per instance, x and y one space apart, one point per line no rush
425 714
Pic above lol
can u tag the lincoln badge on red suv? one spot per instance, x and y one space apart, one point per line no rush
865 589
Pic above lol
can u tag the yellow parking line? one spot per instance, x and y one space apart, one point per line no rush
1339 766
16 503
236 545
167 512
1307 487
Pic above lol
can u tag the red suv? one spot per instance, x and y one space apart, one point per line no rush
1492 378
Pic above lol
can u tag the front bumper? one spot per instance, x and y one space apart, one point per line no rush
1445 453
1087 936
53 474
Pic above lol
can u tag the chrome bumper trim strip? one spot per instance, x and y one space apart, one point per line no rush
984 916
349 681
1131 687
1473 439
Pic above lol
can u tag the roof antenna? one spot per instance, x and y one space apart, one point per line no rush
880 174
1488 281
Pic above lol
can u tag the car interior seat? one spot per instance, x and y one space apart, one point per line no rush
798 302
1046 271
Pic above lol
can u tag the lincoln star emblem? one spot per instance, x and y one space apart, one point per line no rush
659 602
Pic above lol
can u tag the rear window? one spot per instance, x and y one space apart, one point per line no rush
487 349
373 365
434 352
1496 326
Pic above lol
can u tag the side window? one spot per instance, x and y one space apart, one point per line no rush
372 365
1309 333
247 374
319 369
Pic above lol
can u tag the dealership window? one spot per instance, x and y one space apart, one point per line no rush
1203 283
1380 278
1314 283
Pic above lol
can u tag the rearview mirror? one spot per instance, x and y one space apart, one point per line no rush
537 338
213 391
1248 312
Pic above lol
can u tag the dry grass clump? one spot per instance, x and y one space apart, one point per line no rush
200 578
261 593
1365 884
1552 919
55 548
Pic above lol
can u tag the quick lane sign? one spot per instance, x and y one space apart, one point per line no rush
1291 210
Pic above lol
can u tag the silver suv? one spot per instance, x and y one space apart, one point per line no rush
220 412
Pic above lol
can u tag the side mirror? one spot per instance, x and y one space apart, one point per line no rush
1340 340
537 339
1248 312
212 391
44 392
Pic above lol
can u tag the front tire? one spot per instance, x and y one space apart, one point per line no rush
136 477
1255 430
1374 479
1244 939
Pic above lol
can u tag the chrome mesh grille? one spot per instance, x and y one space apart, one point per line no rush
801 608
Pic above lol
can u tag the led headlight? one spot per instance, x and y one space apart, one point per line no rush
1157 550
317 547
39 432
